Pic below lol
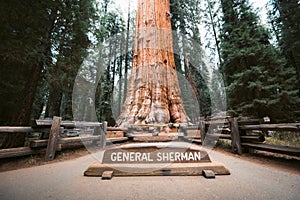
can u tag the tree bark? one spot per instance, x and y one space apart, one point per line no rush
120 81
213 24
126 50
54 102
153 94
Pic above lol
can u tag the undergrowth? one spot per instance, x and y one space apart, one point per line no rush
285 138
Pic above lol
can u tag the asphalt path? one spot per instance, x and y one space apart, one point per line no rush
65 180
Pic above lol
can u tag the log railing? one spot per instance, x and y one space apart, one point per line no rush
210 129
54 142
239 138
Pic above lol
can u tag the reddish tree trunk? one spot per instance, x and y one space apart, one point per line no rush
153 94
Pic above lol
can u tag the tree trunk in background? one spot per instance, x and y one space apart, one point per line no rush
153 94
24 115
190 77
214 27
53 104
66 106
126 50
12 140
289 16
119 103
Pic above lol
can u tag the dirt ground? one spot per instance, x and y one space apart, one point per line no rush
8 164
278 161
281 162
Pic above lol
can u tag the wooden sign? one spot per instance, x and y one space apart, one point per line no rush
156 159
154 153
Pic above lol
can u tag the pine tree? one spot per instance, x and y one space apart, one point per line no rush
95 83
112 24
211 13
258 82
24 53
189 56
70 43
284 18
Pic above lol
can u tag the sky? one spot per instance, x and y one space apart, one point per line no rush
260 4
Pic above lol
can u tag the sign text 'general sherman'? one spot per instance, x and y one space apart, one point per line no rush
155 156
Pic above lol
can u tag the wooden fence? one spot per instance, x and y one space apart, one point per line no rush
247 134
242 133
54 142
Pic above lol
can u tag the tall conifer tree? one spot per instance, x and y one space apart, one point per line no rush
186 16
258 82
284 17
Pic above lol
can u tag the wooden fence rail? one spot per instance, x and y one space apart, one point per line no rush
54 143
272 127
239 138
9 129
213 128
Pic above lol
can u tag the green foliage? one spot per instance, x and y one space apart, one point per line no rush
24 54
189 55
112 24
43 45
75 24
100 68
24 49
211 19
291 139
258 81
47 41
284 19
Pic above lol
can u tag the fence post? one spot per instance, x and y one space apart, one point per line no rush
235 136
54 132
202 131
103 130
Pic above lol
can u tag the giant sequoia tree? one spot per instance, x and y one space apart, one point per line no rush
153 94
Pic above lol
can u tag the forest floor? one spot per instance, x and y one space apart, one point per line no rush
278 161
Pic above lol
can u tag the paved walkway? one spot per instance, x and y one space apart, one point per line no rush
65 181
